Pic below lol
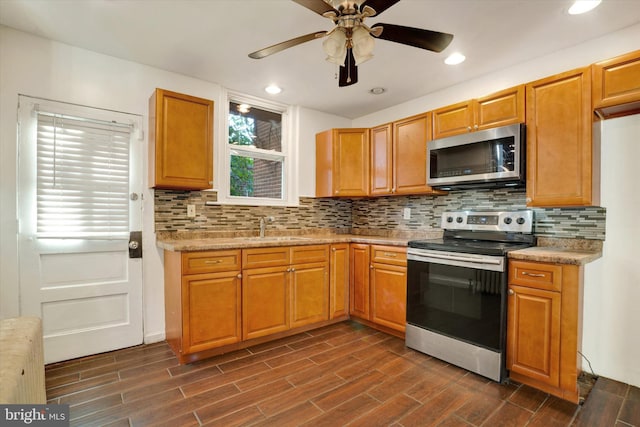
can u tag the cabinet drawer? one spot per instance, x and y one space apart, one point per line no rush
536 275
210 261
265 257
311 253
389 255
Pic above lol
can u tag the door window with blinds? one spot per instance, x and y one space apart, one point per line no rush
82 173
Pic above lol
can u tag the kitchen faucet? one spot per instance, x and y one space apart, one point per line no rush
263 223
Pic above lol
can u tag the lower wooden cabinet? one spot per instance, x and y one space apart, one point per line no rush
544 326
265 301
378 285
339 280
202 300
290 295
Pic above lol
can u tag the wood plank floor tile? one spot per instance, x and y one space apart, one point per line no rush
335 397
554 412
528 398
477 410
509 415
341 374
243 417
344 413
299 395
600 409
387 413
440 406
242 400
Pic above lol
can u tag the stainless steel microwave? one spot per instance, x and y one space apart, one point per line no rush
484 159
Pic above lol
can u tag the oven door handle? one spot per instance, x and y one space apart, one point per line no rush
483 263
466 259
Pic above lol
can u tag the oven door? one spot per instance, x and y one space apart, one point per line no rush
462 296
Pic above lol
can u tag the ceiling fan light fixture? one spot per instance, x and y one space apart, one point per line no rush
583 6
335 46
455 58
363 44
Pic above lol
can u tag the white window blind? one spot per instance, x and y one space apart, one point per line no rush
82 177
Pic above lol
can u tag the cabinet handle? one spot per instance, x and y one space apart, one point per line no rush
371 267
293 269
475 127
333 249
469 128
213 261
511 292
526 273
239 276
393 190
390 254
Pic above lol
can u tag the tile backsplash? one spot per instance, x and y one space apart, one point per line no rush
368 215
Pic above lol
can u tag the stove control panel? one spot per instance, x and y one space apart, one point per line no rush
520 221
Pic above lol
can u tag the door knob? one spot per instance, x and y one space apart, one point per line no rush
134 245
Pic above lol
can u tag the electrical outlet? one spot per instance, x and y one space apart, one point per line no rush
406 213
191 211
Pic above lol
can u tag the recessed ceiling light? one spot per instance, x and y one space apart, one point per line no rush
272 89
455 58
583 6
377 91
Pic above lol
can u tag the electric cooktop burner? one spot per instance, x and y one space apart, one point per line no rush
485 233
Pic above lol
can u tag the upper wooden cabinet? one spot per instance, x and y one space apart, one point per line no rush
560 151
499 109
180 141
342 163
616 85
399 157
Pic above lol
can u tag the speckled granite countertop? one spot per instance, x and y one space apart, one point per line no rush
185 242
562 251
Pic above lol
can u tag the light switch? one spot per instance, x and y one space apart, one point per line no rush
191 211
406 213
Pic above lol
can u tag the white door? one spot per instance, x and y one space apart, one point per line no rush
74 266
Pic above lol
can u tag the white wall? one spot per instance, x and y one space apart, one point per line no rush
42 68
611 329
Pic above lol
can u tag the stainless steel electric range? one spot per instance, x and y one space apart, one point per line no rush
457 288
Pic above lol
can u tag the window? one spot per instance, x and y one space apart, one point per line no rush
257 154
81 178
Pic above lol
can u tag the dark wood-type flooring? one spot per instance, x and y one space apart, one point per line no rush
344 374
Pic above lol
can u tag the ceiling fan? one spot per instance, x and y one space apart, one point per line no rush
351 41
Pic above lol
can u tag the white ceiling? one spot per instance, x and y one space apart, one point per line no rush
210 40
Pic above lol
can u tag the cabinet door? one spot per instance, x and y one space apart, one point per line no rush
500 109
560 153
453 120
616 82
410 137
389 295
309 293
350 162
359 280
211 311
180 141
339 280
265 301
381 160
533 334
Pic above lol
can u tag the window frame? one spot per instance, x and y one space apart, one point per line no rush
225 150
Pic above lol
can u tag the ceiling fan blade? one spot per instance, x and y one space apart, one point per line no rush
258 54
416 37
348 71
379 5
317 6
